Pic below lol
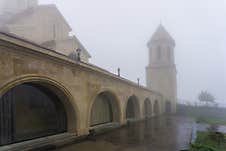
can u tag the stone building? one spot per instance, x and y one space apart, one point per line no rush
41 24
48 99
161 70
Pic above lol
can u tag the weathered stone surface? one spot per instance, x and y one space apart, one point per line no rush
21 62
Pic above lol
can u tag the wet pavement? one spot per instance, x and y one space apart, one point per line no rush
156 134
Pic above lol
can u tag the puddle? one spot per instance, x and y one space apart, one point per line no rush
156 134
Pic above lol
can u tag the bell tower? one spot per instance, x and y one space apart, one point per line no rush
161 70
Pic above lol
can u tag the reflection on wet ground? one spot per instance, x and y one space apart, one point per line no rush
156 134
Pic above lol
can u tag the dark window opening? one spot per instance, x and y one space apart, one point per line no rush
102 110
30 111
159 52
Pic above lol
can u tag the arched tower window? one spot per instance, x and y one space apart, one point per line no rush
168 53
159 52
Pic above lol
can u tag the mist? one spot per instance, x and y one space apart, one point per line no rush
116 33
46 71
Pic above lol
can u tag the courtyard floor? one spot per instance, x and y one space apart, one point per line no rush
168 133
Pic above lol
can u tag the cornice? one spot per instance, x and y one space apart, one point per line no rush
12 41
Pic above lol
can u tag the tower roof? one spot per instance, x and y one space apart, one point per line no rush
161 34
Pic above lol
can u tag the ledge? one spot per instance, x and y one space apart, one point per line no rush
45 142
32 47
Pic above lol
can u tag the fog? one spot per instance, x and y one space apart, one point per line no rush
45 71
116 33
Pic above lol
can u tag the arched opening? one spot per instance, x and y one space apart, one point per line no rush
104 110
31 110
156 108
132 108
147 108
168 107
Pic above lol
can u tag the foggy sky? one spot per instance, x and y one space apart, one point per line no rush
115 32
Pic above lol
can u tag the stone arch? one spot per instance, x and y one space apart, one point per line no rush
104 108
132 108
156 108
147 108
168 107
67 100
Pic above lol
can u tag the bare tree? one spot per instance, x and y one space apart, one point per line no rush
206 97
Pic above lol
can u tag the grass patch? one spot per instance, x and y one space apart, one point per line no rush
204 138
210 120
208 115
208 141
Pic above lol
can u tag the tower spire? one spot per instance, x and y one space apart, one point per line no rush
161 34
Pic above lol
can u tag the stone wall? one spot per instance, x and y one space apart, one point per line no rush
81 83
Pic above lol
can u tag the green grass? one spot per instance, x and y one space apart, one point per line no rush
210 120
204 139
208 115
204 142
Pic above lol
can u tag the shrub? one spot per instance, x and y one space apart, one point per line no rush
200 147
